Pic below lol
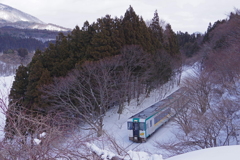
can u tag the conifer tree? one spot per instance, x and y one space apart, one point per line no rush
101 41
130 25
57 56
19 86
35 73
143 36
44 80
118 39
135 30
62 55
79 41
171 42
156 32
87 34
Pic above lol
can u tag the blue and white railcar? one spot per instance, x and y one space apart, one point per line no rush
146 122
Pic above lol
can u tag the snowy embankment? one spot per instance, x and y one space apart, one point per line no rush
216 153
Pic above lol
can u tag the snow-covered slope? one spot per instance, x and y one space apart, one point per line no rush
217 153
15 18
5 86
9 14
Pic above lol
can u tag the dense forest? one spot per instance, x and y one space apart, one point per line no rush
14 43
13 38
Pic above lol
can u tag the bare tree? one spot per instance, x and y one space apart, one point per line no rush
46 139
85 94
200 88
209 120
130 74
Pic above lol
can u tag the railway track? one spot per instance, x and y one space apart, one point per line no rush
138 144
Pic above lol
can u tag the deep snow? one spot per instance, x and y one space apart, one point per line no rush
116 128
216 153
5 86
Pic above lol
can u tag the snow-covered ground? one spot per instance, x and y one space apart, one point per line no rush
5 86
116 128
217 153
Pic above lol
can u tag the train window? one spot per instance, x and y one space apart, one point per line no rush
130 125
151 123
142 126
135 126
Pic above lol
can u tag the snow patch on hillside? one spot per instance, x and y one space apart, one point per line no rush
50 27
5 86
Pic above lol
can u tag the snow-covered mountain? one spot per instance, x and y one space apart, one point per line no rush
9 14
15 18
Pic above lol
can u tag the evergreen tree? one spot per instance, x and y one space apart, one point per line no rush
135 30
79 41
101 41
62 55
130 25
22 52
189 44
45 79
118 39
19 86
35 73
171 42
156 32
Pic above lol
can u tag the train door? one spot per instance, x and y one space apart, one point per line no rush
135 130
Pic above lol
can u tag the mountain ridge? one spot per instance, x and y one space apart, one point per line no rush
12 17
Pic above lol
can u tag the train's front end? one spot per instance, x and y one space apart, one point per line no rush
137 130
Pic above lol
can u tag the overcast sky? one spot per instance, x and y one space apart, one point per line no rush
183 15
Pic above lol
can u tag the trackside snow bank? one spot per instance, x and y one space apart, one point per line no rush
216 153
131 155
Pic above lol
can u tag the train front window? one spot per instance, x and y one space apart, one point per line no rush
130 125
142 126
136 126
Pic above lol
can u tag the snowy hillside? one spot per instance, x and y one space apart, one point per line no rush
9 14
5 86
15 18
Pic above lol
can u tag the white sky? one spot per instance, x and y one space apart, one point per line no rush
183 15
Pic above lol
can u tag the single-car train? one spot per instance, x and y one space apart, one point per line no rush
145 123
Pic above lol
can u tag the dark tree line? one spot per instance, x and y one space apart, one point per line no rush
142 58
189 44
10 42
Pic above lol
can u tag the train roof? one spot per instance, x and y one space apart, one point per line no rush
157 107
